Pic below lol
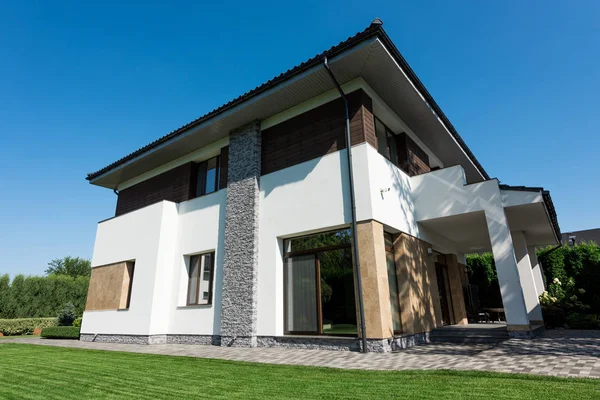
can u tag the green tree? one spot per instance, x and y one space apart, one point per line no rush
4 295
70 266
17 301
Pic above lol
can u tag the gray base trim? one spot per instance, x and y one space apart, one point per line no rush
206 340
291 342
152 339
522 334
406 341
312 343
239 341
125 339
378 345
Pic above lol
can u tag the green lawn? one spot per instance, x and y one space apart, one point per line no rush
30 371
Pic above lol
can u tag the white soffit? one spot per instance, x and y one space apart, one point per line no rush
520 197
390 82
369 60
298 89
533 221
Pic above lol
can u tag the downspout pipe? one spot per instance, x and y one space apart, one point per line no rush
361 306
552 250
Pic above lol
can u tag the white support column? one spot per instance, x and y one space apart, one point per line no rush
517 319
538 278
534 310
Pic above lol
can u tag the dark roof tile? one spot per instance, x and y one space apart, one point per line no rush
373 30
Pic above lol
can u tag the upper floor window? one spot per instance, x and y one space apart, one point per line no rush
208 174
401 150
386 142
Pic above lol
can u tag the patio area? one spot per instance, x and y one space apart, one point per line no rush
568 353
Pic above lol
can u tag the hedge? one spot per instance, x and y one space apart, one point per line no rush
61 332
580 263
40 296
482 272
24 326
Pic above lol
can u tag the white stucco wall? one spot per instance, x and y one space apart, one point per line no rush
145 236
385 191
158 238
301 199
201 229
386 195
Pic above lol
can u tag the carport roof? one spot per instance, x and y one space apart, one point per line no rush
547 202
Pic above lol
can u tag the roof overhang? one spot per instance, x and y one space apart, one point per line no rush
369 55
532 208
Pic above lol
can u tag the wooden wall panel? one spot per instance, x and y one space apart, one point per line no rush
317 132
411 158
313 134
456 288
173 185
109 286
419 298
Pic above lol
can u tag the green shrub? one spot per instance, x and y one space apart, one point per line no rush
77 322
574 271
583 321
61 332
554 315
67 315
24 326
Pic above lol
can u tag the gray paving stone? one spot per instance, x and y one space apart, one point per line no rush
555 353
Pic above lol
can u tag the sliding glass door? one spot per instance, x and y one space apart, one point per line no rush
319 285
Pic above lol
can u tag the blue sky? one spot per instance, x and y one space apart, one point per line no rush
82 85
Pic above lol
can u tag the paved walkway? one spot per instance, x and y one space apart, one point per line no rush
556 353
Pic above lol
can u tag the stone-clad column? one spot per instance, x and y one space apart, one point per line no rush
238 313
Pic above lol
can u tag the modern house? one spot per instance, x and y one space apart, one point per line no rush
256 225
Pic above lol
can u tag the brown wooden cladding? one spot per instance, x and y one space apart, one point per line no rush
411 158
420 307
172 185
177 185
110 287
307 136
317 132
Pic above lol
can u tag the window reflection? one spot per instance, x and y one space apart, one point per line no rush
207 180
